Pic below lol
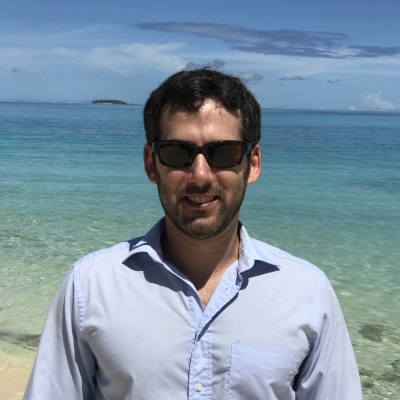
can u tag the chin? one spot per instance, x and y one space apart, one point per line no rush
202 228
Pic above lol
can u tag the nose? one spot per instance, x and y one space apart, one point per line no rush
200 172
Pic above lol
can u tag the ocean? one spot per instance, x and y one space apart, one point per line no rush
72 181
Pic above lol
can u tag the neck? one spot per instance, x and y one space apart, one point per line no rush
202 261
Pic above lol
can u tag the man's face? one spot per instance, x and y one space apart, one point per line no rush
200 200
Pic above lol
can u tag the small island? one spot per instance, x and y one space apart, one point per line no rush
108 102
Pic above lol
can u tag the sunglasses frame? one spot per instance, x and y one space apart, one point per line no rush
245 148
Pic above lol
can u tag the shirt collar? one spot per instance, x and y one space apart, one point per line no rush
150 242
248 254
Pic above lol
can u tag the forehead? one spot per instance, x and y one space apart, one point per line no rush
210 123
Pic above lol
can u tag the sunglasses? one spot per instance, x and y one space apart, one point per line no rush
180 154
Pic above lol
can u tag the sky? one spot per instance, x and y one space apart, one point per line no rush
309 54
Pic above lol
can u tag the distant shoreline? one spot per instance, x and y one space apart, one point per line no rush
266 109
62 102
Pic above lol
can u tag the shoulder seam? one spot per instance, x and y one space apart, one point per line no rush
80 299
317 303
302 262
116 247
79 295
290 257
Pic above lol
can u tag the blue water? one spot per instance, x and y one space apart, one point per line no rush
72 181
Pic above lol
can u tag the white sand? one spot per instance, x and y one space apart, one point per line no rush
12 385
15 367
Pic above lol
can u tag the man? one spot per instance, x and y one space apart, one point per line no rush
196 308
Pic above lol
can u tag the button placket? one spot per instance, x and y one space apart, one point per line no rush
200 375
200 366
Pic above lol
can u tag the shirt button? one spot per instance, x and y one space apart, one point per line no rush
199 387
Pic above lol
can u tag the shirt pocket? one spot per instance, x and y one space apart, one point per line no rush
260 372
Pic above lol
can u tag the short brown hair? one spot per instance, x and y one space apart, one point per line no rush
191 89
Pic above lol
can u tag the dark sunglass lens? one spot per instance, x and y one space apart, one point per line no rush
175 155
225 154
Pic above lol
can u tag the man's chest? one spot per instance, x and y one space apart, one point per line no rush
151 339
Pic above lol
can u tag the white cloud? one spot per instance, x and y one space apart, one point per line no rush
121 59
126 58
218 65
293 78
250 76
100 47
287 42
94 47
375 101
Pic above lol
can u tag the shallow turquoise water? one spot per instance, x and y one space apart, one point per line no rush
72 181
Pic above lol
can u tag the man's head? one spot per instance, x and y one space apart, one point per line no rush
191 89
201 198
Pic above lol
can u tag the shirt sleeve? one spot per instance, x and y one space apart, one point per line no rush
65 366
330 372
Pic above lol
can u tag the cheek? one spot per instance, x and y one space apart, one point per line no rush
229 179
174 179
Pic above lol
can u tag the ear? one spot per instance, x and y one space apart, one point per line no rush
148 161
255 164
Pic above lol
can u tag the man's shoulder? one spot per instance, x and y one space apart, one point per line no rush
285 260
116 253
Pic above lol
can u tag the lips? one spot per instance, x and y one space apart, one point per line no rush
200 200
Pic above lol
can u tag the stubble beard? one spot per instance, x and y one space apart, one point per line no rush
199 226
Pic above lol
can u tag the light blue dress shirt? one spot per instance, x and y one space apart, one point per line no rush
126 324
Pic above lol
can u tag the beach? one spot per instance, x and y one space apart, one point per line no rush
15 366
12 385
72 182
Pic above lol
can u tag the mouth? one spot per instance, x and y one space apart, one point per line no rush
201 200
